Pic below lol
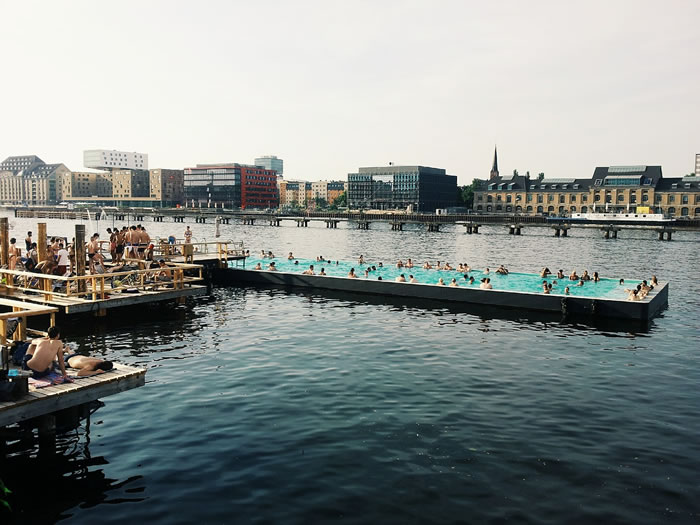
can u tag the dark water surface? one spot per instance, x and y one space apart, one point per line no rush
268 406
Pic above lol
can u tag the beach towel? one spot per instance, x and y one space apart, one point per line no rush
51 379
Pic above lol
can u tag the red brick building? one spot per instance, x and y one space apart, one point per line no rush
258 187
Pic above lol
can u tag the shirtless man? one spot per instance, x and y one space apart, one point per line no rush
427 266
409 264
272 267
88 366
165 273
412 279
401 278
352 274
42 352
92 249
453 283
143 243
310 271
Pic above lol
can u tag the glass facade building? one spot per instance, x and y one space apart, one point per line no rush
400 187
231 186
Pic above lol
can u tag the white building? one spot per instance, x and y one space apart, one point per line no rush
271 162
697 164
113 159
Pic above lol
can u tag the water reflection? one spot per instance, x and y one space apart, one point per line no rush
47 482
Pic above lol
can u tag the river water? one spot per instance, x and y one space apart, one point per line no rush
273 406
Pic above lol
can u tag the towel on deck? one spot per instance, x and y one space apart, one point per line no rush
51 379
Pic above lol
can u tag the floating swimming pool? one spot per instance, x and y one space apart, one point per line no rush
605 298
513 282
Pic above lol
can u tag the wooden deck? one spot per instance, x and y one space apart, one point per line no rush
50 399
77 305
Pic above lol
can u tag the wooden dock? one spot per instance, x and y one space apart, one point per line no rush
44 401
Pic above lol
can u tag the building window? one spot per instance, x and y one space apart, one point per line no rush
509 198
562 198
672 198
684 200
489 198
620 197
539 197
550 198
528 198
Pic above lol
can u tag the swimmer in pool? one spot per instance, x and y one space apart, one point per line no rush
352 274
310 271
401 278
412 279
453 283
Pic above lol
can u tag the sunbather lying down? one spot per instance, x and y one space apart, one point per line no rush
88 366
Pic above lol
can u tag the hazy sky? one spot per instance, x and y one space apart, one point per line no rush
330 86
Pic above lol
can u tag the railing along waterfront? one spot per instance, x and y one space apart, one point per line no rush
96 287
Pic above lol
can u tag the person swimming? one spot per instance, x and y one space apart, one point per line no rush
258 267
453 283
401 278
412 279
323 272
352 274
441 282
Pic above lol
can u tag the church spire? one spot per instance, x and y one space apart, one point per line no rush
494 168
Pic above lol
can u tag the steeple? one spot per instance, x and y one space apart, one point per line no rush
494 168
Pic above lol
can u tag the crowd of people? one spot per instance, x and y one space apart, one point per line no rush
562 283
129 248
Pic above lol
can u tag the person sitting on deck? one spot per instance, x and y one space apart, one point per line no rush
654 281
310 271
574 276
545 272
323 272
453 283
401 278
87 366
634 296
165 273
412 279
447 266
352 274
41 353
258 267
272 267
441 282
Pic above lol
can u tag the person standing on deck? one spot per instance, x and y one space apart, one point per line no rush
112 244
188 249
63 259
92 249
28 241
144 242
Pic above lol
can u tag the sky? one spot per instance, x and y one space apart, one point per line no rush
330 86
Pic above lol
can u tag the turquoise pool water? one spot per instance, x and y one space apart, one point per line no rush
606 288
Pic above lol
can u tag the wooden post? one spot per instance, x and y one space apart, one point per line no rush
41 241
4 242
79 249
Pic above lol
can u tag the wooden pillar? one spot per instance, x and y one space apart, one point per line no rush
4 241
80 256
41 241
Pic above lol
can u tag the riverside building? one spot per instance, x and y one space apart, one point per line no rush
271 162
616 189
418 188
104 159
28 180
230 185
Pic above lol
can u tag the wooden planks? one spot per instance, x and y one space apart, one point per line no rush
58 397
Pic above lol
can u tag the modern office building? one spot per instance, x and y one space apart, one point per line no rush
613 189
28 180
104 159
418 188
231 185
271 162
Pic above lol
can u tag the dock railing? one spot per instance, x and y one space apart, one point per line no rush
21 310
96 287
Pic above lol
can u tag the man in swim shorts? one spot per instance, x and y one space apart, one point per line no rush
88 366
40 355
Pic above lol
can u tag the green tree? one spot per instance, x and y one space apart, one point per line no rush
465 194
320 202
341 200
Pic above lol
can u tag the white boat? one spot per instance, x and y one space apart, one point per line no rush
630 217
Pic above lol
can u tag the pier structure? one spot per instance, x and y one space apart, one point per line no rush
41 408
361 220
